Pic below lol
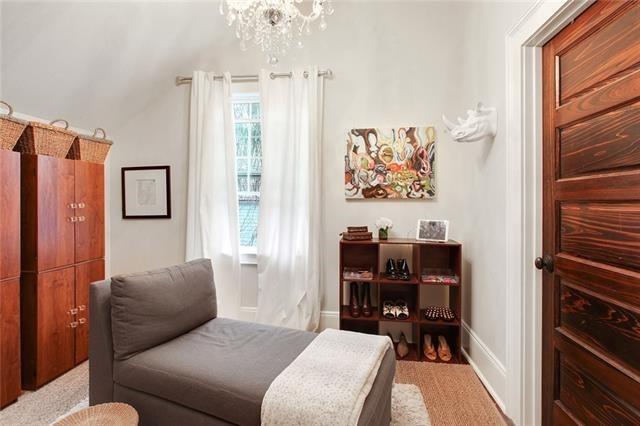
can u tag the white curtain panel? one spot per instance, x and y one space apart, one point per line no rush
212 201
289 237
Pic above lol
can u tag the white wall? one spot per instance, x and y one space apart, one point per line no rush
395 63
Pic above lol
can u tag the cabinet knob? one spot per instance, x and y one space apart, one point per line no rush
73 324
81 205
82 307
82 321
72 205
73 311
81 218
73 219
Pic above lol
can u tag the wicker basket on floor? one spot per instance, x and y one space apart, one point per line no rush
10 128
109 414
93 149
46 139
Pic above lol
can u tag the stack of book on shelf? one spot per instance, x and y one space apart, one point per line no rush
439 276
357 233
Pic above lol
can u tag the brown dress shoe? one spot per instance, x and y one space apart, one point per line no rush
354 303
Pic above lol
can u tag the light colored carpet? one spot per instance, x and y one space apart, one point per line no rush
50 401
452 393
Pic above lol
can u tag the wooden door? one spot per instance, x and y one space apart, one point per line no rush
9 214
47 213
86 273
89 196
9 341
56 324
591 168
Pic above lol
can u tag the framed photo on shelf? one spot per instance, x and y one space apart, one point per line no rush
432 230
146 192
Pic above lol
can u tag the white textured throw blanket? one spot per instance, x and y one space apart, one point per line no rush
328 382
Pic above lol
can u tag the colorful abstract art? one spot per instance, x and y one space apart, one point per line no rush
390 163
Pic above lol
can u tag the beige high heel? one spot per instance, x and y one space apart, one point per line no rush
444 352
428 349
403 346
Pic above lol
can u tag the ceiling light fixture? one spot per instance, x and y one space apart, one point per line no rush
273 25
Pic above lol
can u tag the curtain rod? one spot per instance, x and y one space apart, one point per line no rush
180 80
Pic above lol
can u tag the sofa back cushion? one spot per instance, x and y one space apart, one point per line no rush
151 308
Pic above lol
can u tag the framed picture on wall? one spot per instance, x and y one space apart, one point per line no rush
146 192
433 230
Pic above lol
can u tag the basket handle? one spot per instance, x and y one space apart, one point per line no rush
59 120
8 107
99 130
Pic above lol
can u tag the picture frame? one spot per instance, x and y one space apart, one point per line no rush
432 230
146 192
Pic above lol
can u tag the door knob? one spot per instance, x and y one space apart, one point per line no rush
545 263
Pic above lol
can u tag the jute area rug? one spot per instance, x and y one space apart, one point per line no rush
452 393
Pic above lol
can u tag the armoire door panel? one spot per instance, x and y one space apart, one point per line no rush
48 240
9 214
56 324
89 196
10 384
86 273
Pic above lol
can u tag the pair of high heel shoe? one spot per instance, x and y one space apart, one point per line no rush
429 350
360 304
398 270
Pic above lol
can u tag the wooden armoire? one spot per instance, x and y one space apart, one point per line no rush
62 253
9 277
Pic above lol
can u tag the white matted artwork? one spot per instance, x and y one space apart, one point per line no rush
146 192
432 230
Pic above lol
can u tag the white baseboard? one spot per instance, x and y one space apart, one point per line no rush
328 319
487 366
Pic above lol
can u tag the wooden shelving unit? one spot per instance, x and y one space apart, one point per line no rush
420 255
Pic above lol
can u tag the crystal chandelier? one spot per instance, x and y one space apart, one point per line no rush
274 25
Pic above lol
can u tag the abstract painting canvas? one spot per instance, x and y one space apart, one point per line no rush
390 163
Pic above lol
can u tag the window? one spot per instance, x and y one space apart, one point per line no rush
246 114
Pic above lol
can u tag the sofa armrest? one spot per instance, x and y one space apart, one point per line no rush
100 344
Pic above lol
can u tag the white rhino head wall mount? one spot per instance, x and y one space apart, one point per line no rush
481 124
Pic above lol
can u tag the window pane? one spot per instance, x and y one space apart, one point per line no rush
255 130
256 148
242 165
256 165
255 111
241 111
242 140
248 214
255 183
242 184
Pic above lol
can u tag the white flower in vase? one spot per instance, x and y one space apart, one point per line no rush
383 224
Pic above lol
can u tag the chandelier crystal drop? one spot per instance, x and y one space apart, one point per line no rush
273 25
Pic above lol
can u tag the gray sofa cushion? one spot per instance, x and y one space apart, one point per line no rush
153 307
222 368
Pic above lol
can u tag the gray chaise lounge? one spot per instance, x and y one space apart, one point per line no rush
156 344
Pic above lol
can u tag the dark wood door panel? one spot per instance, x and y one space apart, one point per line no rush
617 186
604 232
590 402
86 273
613 329
621 91
9 214
613 283
601 55
10 385
55 340
89 196
604 143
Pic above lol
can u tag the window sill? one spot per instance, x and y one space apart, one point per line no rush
248 256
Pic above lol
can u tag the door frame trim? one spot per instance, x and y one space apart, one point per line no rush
524 201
